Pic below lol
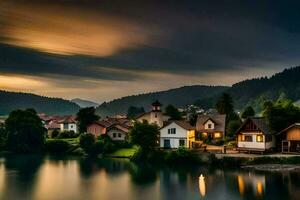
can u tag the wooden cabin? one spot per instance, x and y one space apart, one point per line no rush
289 139
255 135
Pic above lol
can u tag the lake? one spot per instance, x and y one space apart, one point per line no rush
45 178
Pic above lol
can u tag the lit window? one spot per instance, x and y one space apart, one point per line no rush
259 138
217 135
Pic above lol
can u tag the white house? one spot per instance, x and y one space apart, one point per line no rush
118 132
155 116
255 135
68 124
176 134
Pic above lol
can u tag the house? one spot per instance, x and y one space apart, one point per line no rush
98 128
69 123
255 135
118 132
176 134
210 126
112 126
288 140
155 116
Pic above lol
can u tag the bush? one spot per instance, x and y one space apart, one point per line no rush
86 142
109 147
122 144
67 134
55 134
57 146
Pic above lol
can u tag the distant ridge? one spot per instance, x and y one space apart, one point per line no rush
178 97
16 100
248 92
84 103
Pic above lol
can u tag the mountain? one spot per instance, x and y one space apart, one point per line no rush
14 100
254 92
84 103
178 97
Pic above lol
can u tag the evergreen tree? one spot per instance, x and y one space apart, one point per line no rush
225 104
173 113
248 112
133 111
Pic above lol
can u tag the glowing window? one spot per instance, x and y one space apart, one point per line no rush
259 138
217 135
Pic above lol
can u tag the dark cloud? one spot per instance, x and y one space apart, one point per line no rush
173 37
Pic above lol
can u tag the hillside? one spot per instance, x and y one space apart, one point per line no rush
13 100
177 97
84 103
255 91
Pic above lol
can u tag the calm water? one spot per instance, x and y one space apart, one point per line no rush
41 178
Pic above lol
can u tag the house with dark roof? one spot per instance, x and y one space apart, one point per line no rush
211 126
176 134
288 140
255 135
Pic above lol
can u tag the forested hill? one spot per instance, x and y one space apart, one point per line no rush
177 97
255 91
13 100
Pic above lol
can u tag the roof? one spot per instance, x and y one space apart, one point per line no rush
219 121
261 124
120 127
156 103
183 124
68 119
52 125
110 121
291 126
142 114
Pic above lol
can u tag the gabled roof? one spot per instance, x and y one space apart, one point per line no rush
183 124
156 103
120 127
219 121
291 126
261 124
68 119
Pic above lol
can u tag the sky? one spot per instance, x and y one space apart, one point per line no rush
104 49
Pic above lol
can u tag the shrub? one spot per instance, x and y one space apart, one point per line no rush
67 134
55 134
86 142
122 144
57 146
109 147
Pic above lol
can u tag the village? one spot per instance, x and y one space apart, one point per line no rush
208 134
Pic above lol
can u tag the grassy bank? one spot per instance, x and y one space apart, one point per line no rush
123 152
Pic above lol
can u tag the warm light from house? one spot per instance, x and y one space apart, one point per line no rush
259 138
204 134
241 185
217 135
202 188
259 188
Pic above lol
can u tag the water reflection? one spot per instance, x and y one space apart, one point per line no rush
34 178
202 185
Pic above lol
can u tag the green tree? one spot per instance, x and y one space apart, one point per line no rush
232 127
225 104
281 114
85 117
133 111
173 113
144 135
25 131
248 112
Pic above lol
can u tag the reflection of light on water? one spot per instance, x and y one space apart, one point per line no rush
259 188
256 182
2 179
241 185
202 185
